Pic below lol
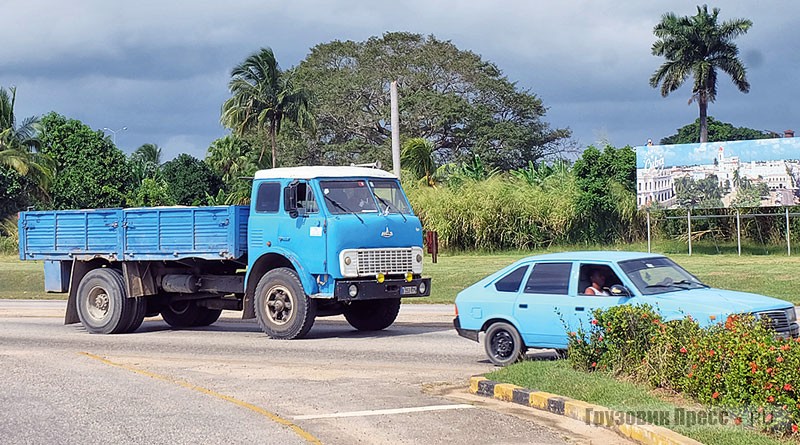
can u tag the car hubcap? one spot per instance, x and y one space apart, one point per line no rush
279 305
503 344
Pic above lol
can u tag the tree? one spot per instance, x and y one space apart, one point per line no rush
717 131
92 172
417 157
18 144
189 179
698 46
263 96
234 161
453 98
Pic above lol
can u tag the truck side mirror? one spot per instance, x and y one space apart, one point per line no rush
290 199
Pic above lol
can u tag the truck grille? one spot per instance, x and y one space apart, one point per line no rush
386 261
776 320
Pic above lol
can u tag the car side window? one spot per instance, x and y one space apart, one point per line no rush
549 278
511 282
268 197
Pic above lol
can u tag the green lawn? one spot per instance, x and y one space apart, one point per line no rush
559 378
775 275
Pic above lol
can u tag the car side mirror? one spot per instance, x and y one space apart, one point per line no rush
290 199
619 290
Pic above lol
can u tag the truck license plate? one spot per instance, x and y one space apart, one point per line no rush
408 290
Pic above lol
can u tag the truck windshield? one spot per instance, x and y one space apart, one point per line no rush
659 275
348 197
390 197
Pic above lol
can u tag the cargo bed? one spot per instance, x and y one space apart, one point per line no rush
135 234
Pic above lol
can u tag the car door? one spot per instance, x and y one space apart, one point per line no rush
579 312
539 305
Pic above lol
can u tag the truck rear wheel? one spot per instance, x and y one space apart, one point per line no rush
188 314
103 305
372 315
283 309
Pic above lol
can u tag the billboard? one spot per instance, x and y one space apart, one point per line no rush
752 173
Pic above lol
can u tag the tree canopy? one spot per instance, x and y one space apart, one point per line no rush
190 180
461 103
92 172
717 131
698 46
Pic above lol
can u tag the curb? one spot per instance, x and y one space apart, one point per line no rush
575 409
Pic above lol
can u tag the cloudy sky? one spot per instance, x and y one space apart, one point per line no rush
160 68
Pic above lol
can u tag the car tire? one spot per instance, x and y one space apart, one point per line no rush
503 344
283 309
372 315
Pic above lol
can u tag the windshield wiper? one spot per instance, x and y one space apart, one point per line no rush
388 204
692 282
339 206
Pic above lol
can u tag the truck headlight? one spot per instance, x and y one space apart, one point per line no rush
791 314
348 263
416 263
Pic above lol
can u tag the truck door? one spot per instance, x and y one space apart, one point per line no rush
305 234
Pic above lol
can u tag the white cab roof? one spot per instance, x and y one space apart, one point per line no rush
322 172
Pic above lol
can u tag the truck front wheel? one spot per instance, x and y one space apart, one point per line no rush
283 309
188 314
102 303
372 315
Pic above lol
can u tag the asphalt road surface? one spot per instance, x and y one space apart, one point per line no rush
229 383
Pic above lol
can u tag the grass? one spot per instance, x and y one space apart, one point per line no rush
559 378
23 280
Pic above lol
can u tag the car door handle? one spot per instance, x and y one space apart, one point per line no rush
284 238
523 306
579 308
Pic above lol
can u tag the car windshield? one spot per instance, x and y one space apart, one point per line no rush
659 275
352 196
390 196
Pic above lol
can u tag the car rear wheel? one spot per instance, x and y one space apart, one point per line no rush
503 344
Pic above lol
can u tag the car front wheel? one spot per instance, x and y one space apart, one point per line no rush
503 344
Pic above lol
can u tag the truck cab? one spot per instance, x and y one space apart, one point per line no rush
347 235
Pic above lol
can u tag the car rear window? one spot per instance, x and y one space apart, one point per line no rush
549 278
511 282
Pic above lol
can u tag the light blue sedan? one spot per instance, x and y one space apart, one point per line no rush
522 306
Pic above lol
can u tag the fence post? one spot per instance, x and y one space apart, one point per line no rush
648 230
689 224
738 233
788 241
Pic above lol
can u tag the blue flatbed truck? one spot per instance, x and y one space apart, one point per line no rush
315 241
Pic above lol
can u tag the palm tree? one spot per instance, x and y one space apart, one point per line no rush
262 97
18 144
417 156
698 46
147 161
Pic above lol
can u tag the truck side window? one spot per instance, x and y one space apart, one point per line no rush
305 199
268 198
549 278
511 282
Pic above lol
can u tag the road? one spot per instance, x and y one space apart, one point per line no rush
229 383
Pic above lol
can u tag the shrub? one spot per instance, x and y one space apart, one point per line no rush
738 366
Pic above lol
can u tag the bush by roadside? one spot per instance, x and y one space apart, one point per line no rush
737 365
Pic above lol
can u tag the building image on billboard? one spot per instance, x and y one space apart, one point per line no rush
752 173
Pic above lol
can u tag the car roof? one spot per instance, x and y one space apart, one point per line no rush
311 172
593 255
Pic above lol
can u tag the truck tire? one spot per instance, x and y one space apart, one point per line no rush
283 309
503 344
140 305
372 315
102 303
188 314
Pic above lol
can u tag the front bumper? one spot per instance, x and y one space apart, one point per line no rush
372 290
471 334
792 331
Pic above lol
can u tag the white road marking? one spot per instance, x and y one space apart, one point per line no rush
382 412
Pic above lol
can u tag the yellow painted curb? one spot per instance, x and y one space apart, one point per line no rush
539 399
473 383
505 391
